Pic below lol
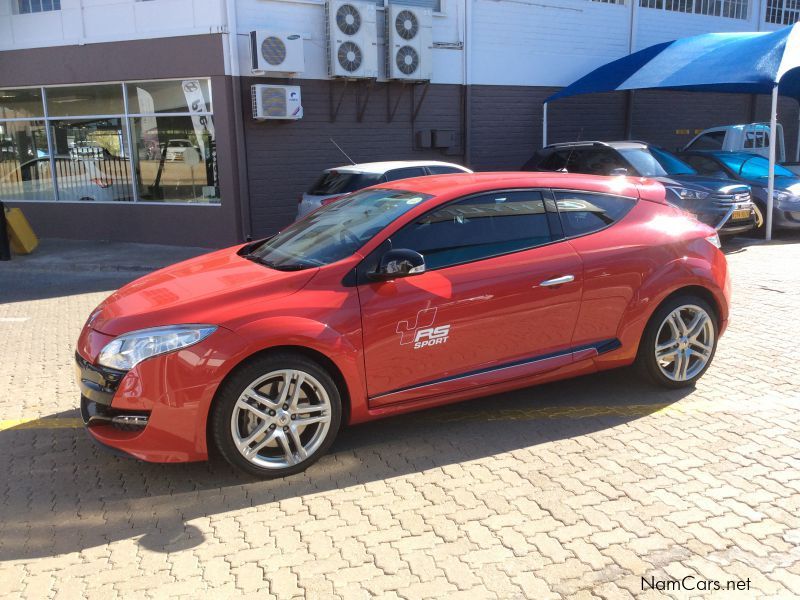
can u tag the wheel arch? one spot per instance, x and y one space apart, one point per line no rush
305 351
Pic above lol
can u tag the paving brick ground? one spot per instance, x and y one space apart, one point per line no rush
573 490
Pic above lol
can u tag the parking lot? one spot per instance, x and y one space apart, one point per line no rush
600 487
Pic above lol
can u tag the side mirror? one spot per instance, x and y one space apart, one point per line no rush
399 263
619 171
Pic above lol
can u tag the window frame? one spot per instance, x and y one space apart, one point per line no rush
552 217
635 199
126 118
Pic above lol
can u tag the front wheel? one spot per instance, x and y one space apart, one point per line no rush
277 415
679 342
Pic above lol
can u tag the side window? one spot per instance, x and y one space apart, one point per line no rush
596 161
555 161
585 212
477 227
706 166
405 173
442 170
709 141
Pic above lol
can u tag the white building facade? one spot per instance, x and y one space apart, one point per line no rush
124 119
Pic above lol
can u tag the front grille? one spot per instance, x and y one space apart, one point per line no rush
727 199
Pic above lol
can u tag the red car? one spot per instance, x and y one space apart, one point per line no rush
410 295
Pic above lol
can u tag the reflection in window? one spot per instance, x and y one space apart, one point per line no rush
21 104
176 158
189 95
24 162
90 160
84 100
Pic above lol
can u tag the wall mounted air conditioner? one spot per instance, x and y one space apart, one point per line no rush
352 39
409 41
276 102
276 53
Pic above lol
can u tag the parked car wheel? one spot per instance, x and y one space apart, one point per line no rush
679 342
277 415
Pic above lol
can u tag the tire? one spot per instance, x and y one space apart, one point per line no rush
684 358
259 429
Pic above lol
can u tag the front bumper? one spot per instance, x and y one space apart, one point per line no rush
157 411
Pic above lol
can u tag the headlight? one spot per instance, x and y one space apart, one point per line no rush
781 196
128 350
714 239
687 194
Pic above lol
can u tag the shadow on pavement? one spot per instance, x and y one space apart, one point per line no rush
63 494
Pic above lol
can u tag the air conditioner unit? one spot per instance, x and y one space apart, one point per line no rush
276 102
352 39
276 53
410 39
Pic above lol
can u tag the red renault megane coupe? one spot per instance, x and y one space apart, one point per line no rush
409 295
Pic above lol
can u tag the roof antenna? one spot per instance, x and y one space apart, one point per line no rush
571 150
333 141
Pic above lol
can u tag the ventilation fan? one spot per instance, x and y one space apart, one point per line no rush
348 19
273 50
409 36
349 57
352 39
406 24
407 60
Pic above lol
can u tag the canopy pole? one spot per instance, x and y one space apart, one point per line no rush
773 125
544 125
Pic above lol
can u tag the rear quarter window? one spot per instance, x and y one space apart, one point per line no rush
586 212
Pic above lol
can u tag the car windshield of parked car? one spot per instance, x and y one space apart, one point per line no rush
335 231
752 166
654 162
342 182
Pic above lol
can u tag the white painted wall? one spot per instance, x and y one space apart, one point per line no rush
509 42
89 21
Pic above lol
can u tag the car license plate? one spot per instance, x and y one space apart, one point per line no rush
741 214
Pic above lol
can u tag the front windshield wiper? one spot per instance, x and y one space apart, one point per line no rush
267 263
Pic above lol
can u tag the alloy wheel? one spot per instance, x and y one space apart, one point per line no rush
281 419
684 342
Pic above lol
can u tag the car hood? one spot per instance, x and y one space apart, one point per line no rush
209 289
791 184
710 183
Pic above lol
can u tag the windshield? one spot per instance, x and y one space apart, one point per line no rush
337 230
654 162
339 182
751 167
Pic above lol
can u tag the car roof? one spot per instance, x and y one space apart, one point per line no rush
388 165
460 184
618 145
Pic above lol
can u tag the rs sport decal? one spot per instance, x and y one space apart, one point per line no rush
422 332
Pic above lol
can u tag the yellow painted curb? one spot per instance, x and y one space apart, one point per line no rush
47 423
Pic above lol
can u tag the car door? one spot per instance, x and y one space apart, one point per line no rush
499 299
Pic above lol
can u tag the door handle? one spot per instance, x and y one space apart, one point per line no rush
558 281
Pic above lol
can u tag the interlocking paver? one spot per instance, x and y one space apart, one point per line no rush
573 490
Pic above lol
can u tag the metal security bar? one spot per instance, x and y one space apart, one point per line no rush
783 12
731 9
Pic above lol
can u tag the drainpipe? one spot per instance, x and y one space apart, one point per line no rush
467 73
633 24
232 69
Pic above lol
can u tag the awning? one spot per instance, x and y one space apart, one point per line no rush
714 62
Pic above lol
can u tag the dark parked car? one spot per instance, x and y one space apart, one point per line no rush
753 170
718 202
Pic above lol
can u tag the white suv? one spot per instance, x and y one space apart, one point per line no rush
336 182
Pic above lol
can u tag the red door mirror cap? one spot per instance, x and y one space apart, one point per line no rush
652 190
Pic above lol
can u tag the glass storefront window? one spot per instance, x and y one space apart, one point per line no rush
85 100
175 159
24 162
91 160
171 156
182 95
21 104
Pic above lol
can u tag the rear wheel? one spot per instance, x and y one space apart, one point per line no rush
277 415
679 342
